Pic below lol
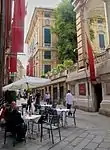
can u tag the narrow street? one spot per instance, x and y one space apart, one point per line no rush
92 133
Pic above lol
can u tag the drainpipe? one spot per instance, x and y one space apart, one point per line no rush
2 44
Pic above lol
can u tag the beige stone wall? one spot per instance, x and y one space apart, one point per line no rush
38 27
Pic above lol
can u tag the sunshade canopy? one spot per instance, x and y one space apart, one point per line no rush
31 82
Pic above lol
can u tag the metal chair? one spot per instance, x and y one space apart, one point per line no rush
73 116
14 136
50 125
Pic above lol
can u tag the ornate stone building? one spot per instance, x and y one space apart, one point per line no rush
92 96
93 19
41 41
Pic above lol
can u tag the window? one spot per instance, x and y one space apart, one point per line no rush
47 37
47 55
47 14
100 21
47 68
101 41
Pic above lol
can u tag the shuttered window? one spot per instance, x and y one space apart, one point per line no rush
47 55
101 41
47 68
47 37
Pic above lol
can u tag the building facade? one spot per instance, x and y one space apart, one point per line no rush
5 40
92 18
41 41
20 70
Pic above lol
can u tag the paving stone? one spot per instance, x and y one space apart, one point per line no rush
107 140
68 148
82 145
71 138
84 135
85 149
92 146
97 139
76 141
90 136
101 149
105 145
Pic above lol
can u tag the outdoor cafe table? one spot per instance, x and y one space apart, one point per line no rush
33 119
63 112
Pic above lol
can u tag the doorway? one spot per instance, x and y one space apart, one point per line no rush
98 95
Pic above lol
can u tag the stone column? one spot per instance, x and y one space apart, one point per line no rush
65 88
52 93
48 89
65 91
58 92
107 16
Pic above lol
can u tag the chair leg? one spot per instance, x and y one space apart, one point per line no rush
41 132
38 127
5 137
59 133
52 136
49 133
74 119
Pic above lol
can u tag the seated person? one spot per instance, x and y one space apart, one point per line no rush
15 123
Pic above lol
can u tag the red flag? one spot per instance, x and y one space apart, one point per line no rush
27 70
13 64
91 61
18 26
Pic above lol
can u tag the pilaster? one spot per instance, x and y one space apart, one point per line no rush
107 16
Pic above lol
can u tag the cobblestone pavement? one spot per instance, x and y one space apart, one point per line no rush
92 133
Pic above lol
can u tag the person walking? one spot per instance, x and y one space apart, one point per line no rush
29 103
69 101
37 100
47 98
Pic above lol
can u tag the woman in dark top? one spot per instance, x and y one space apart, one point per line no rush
15 123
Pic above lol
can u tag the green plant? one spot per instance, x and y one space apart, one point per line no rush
54 71
60 67
68 63
43 76
65 29
91 34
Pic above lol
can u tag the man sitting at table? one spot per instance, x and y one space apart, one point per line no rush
15 123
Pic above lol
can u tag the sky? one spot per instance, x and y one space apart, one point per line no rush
31 4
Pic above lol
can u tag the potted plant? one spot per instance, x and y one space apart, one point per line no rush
68 64
60 68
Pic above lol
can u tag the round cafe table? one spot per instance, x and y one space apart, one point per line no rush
63 112
33 119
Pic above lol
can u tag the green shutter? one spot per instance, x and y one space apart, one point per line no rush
47 36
